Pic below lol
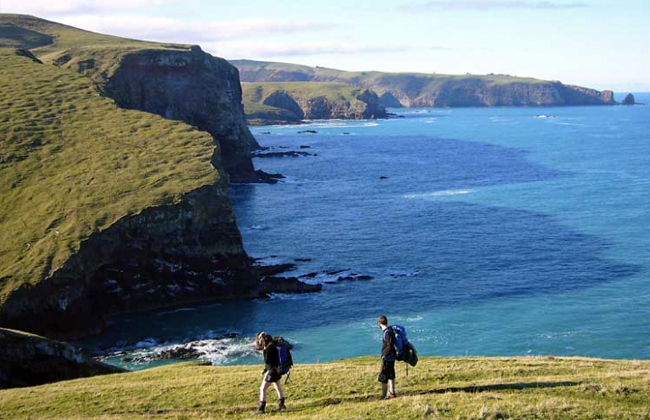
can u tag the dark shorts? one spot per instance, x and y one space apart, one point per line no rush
272 375
387 371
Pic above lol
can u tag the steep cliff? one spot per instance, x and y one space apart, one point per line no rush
433 90
28 360
175 81
105 210
276 103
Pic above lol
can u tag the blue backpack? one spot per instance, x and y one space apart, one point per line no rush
404 350
285 361
400 340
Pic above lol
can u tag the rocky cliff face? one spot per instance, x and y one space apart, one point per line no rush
28 360
180 84
476 93
318 108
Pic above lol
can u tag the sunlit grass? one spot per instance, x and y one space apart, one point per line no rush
438 388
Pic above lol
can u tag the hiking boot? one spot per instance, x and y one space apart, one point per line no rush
390 396
261 408
281 406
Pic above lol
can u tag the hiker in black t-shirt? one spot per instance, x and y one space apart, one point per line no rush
387 373
272 370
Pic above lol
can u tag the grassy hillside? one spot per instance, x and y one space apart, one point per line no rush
96 55
438 388
72 164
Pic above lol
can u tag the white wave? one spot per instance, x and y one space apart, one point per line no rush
256 227
543 116
173 311
289 296
440 193
216 351
146 343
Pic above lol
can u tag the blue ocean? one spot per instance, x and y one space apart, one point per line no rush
486 231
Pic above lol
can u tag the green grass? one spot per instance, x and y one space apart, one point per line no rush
438 388
72 164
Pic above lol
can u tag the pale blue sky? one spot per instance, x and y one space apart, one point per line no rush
599 43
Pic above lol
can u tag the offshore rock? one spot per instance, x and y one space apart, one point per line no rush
629 100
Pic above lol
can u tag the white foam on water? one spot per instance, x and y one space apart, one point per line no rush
146 343
173 311
441 193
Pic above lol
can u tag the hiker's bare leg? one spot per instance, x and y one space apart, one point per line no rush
278 388
391 383
263 388
384 390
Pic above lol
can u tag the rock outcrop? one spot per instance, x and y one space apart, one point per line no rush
629 100
281 103
28 360
434 90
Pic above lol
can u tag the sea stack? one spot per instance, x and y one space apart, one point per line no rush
629 100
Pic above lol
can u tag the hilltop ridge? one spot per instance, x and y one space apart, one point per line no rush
432 90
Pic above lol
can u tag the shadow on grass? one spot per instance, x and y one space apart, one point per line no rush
472 389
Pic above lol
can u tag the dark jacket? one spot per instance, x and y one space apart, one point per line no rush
388 346
270 357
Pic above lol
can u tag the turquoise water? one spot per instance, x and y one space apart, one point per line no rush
510 231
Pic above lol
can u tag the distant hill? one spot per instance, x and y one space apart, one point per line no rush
290 102
433 90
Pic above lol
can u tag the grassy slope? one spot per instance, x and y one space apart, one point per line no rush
72 163
65 37
254 95
21 31
439 388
